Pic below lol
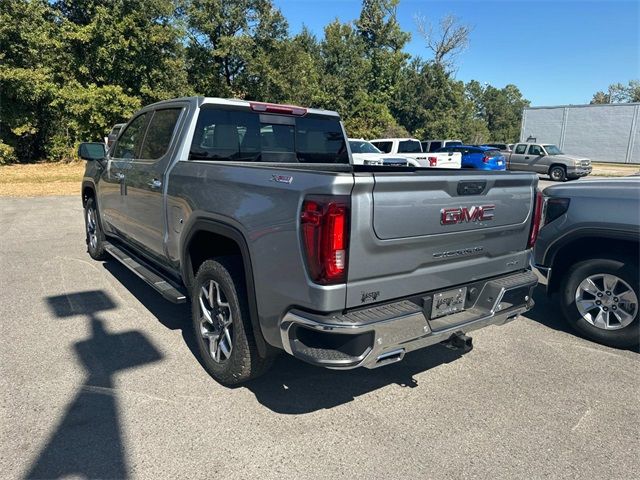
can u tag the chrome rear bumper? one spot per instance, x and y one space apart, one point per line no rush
381 335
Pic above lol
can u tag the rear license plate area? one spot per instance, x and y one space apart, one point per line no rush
448 302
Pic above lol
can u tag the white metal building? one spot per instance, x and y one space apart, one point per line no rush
603 133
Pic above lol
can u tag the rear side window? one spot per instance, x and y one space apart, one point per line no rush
226 135
384 147
129 143
159 133
409 146
434 146
521 149
236 135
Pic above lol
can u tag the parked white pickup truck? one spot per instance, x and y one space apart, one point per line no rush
364 153
411 148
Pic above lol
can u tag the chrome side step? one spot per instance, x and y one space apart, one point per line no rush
165 287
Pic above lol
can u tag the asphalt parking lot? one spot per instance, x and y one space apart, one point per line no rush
98 379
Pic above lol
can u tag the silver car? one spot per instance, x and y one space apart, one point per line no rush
547 159
588 249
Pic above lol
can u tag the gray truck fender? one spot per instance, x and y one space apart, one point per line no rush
219 228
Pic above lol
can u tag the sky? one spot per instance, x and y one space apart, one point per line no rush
556 52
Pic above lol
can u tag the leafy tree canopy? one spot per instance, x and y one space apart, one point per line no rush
70 69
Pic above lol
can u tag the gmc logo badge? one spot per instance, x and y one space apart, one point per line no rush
451 216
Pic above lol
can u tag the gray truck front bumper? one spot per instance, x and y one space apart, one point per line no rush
578 171
383 334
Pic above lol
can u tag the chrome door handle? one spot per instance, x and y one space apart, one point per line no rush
155 183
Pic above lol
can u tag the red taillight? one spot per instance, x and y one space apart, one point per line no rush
485 159
433 161
324 223
275 108
537 220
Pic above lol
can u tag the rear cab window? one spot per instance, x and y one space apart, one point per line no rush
384 147
434 146
409 146
242 135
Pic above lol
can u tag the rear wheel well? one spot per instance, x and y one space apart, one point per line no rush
205 245
585 248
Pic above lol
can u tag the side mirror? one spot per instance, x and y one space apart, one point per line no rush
91 151
542 154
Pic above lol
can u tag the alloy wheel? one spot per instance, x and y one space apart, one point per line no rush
606 301
92 233
215 321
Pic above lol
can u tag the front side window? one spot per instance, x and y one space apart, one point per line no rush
409 146
520 149
129 143
159 133
236 135
535 150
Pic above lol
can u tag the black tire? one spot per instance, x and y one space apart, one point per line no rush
92 227
244 362
625 269
558 173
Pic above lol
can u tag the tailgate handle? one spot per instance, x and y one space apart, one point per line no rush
471 188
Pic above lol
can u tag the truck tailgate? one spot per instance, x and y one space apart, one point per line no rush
418 231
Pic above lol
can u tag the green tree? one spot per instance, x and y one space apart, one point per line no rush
501 108
232 44
296 72
430 104
619 93
70 69
383 40
136 45
28 54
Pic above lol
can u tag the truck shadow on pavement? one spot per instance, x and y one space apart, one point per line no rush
547 312
88 441
292 386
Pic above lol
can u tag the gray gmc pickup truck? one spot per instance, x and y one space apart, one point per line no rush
255 214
